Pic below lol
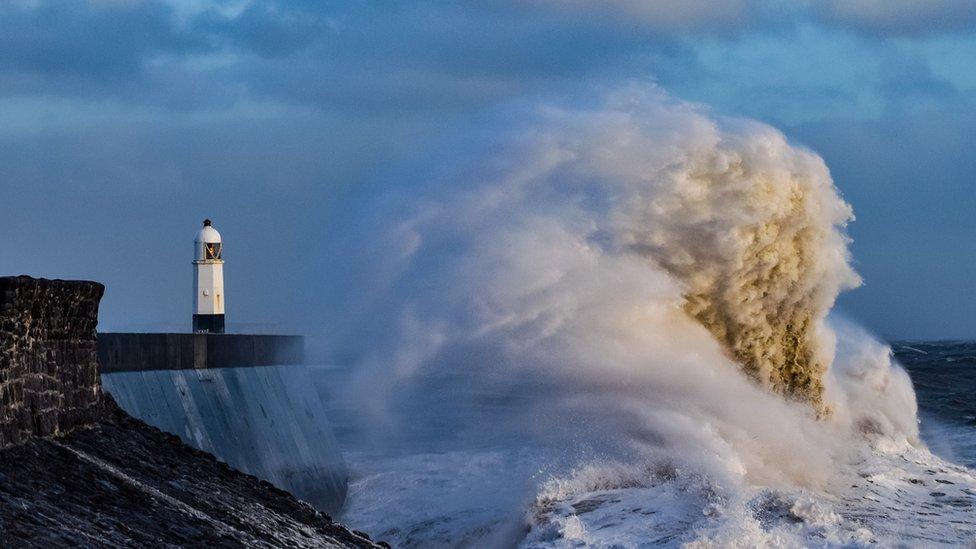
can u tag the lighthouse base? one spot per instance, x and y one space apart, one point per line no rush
213 324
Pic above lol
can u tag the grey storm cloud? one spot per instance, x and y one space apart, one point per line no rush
123 123
663 15
386 57
305 52
83 40
908 17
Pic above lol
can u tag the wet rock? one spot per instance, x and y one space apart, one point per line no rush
121 483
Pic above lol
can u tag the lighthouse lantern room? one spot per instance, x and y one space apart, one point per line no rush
208 281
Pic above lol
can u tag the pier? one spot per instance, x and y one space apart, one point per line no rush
135 352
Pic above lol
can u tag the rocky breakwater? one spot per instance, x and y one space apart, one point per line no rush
76 470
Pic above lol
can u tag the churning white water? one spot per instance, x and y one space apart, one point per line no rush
611 329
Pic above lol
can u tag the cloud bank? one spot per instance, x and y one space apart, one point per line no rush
155 114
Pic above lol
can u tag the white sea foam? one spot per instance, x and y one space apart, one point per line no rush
634 261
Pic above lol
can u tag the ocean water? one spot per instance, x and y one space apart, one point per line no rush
456 462
944 376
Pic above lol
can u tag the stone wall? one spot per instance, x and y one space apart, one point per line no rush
48 362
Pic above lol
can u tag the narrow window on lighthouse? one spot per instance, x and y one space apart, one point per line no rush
213 251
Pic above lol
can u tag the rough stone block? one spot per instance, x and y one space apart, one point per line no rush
48 357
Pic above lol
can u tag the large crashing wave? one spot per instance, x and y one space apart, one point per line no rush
751 228
642 254
749 225
648 200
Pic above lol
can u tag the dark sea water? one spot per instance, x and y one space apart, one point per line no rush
944 375
448 459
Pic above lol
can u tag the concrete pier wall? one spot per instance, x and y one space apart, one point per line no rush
134 352
245 398
267 421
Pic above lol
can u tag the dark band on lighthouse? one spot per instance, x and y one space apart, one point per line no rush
208 323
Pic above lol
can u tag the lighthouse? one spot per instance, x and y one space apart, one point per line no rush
208 281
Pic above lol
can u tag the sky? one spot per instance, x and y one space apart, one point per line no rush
124 123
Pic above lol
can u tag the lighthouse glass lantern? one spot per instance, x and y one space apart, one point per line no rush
208 281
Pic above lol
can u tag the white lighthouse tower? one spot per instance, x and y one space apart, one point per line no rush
208 281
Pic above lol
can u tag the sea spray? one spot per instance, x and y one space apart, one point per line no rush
744 229
753 228
610 271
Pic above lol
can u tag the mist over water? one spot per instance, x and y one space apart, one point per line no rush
632 298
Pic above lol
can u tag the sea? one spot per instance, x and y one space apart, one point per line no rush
944 376
455 462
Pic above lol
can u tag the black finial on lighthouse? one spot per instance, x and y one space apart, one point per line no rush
207 223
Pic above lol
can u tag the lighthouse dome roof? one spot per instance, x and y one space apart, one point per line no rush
207 234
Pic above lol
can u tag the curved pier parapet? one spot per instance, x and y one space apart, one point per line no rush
247 399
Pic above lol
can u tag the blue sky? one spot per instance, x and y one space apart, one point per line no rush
123 123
